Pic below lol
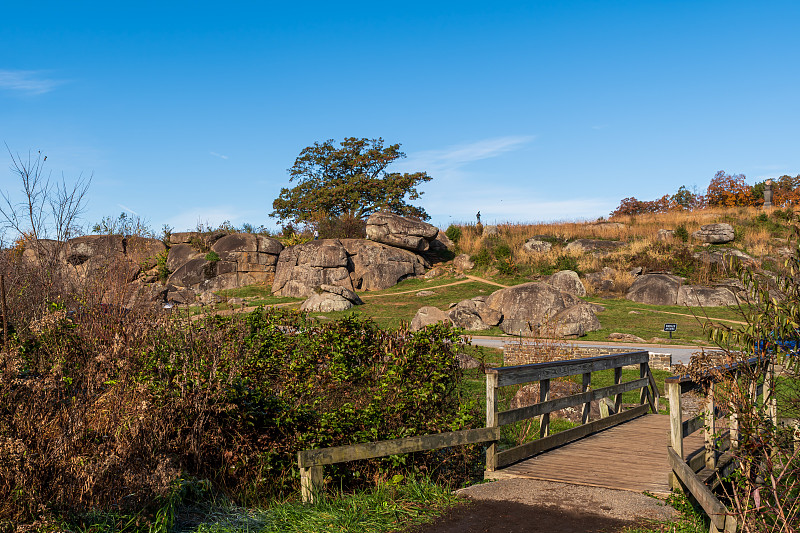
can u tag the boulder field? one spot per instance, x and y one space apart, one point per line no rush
193 266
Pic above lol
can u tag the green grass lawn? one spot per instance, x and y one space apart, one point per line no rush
648 321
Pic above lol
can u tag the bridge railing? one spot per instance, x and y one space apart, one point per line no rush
543 373
693 472
311 462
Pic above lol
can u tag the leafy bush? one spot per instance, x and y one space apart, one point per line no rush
212 256
161 265
343 227
108 409
453 233
566 262
681 233
483 258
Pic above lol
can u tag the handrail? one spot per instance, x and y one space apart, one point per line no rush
311 462
543 373
685 473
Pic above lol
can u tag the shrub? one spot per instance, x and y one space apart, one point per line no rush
343 227
98 424
566 262
453 233
681 233
212 256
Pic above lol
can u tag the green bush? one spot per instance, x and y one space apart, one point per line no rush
483 258
566 262
681 233
453 233
212 257
228 400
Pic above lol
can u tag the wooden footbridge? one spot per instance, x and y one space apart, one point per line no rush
633 449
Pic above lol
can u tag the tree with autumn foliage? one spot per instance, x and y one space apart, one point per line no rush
729 190
349 181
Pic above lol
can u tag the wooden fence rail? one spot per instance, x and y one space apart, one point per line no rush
693 472
311 462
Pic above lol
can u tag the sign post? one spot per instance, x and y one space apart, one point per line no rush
670 328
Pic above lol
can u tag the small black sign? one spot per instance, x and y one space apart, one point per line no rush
670 327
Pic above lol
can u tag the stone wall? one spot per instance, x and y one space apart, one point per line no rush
516 353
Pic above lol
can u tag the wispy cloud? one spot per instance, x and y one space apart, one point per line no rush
215 154
457 156
27 81
128 209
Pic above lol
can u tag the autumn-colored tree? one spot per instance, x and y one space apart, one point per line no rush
349 181
786 190
726 190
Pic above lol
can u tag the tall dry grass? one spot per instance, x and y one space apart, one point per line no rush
640 232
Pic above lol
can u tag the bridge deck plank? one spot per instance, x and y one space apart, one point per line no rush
631 456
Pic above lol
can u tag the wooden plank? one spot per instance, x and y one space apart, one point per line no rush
491 418
675 425
370 450
707 500
617 381
519 453
717 371
544 420
517 375
524 413
692 425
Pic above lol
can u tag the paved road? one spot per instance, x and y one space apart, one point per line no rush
680 354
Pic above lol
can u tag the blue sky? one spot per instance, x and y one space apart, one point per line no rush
188 112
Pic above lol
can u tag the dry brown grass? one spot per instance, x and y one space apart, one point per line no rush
639 231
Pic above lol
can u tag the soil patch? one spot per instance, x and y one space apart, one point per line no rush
512 517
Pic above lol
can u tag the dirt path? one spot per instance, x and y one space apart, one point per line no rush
368 296
690 316
530 506
476 278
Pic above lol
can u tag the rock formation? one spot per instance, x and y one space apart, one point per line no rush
394 230
720 233
351 263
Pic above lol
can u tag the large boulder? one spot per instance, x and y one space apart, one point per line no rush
350 263
304 267
330 298
428 315
604 279
655 289
567 281
720 233
254 255
529 306
121 257
701 296
594 245
535 246
466 315
575 321
180 254
196 272
402 232
374 266
463 262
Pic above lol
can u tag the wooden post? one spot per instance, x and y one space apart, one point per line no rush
710 430
491 419
643 394
587 407
311 482
770 398
617 381
675 425
5 309
544 420
733 423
